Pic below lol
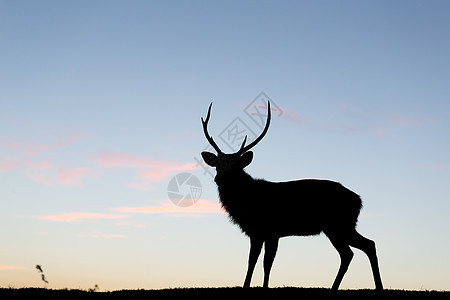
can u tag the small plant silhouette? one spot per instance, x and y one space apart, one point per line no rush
39 268
94 289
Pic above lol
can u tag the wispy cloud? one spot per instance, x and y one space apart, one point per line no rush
11 163
102 236
27 148
67 175
438 167
129 223
376 121
38 169
405 121
62 176
201 207
360 119
294 116
148 170
10 267
31 148
117 159
82 216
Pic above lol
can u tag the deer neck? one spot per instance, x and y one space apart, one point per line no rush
233 186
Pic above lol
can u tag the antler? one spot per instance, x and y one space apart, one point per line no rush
205 131
244 148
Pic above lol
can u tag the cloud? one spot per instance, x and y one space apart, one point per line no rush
41 170
376 121
11 163
63 176
405 121
82 216
295 117
66 175
31 148
27 148
41 178
438 167
129 223
10 267
148 170
157 175
117 159
202 206
102 236
143 186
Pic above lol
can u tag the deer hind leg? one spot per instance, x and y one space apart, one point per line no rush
368 247
255 250
270 249
346 255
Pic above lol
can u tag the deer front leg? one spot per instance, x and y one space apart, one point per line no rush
255 250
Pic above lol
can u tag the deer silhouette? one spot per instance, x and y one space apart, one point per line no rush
266 211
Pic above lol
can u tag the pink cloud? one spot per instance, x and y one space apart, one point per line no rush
145 178
295 117
9 164
375 120
154 175
439 167
66 175
148 170
102 236
129 223
12 163
41 178
26 147
405 121
34 168
117 159
143 186
30 148
63 176
82 216
202 206
10 267
45 164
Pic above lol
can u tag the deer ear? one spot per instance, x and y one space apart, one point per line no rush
246 158
209 158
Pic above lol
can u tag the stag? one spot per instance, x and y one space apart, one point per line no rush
266 211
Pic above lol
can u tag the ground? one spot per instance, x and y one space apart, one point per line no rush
224 292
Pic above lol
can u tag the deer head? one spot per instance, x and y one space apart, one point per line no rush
229 164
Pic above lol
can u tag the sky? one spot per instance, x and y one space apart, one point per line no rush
100 107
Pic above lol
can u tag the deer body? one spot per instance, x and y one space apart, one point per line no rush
277 209
266 211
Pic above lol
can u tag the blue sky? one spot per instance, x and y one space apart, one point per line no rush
101 105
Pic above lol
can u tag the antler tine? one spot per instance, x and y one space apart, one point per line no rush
205 131
259 138
243 145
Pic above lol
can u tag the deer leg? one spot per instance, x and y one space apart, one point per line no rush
346 255
368 247
270 249
255 250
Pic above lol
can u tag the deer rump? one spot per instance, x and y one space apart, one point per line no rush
267 209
